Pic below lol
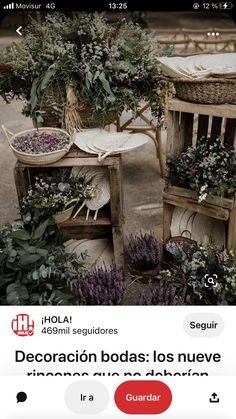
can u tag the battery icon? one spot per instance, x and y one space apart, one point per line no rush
226 5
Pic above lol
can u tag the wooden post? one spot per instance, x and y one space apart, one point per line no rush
118 246
116 198
167 217
231 240
173 134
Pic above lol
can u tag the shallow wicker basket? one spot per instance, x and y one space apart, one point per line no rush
187 245
42 158
208 91
62 216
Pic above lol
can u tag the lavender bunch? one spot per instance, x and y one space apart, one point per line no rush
163 295
143 252
103 286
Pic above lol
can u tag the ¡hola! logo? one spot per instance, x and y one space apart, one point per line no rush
22 325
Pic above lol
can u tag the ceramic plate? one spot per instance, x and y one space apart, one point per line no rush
175 222
208 230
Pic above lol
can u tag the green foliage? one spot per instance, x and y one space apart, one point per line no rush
35 269
113 66
209 168
190 271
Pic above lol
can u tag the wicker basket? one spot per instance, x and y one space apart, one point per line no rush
95 120
42 158
208 91
62 216
56 94
145 276
187 245
212 91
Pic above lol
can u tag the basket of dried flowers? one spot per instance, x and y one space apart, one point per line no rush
39 146
75 114
144 254
66 214
178 247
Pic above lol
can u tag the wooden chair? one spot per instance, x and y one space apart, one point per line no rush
148 127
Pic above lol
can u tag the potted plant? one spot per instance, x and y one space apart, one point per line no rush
82 71
144 253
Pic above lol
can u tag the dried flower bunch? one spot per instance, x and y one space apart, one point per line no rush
103 286
143 252
51 193
112 66
37 142
209 168
163 295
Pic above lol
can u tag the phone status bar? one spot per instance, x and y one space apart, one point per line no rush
115 6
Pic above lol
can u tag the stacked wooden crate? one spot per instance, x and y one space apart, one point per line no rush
185 123
110 217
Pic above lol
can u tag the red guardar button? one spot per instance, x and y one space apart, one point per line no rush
143 397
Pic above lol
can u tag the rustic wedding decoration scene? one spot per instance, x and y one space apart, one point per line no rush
77 163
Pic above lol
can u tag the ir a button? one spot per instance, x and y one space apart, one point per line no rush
203 325
86 398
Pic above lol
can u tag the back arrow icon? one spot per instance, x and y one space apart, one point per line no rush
18 30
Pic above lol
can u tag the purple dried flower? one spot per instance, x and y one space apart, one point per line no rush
143 252
163 295
40 142
5 68
103 286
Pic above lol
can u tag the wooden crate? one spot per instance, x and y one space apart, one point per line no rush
110 218
185 123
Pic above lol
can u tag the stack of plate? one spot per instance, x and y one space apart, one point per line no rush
198 227
95 252
104 143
